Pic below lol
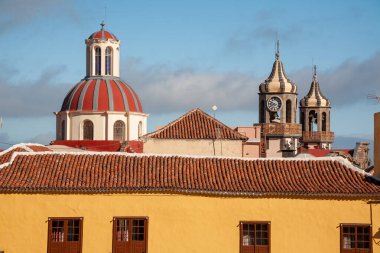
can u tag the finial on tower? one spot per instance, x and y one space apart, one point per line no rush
278 49
102 25
315 72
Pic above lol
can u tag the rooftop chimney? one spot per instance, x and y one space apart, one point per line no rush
376 152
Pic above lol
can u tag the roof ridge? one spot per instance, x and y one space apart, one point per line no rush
169 124
341 160
218 121
21 145
202 113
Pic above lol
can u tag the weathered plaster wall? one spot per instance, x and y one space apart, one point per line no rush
230 148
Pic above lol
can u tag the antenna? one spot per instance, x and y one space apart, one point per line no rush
373 96
214 108
1 122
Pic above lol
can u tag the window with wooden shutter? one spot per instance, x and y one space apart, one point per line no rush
355 238
65 235
130 235
254 237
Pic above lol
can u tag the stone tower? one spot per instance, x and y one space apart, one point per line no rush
278 113
315 118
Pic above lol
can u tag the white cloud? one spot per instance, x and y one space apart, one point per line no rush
162 89
25 98
348 83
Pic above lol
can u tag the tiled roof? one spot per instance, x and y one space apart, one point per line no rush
196 124
120 172
6 155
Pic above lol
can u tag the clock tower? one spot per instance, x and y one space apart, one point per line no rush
278 113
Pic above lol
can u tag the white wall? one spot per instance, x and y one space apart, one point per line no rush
103 124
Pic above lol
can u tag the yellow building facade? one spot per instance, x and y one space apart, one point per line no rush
185 223
185 204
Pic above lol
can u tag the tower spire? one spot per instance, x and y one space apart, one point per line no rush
102 25
315 72
278 49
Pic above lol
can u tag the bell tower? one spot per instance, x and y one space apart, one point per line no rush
278 113
315 118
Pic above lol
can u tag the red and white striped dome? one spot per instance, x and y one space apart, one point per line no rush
102 94
102 35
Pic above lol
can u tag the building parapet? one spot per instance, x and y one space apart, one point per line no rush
282 129
317 136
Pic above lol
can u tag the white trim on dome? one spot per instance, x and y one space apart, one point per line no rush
110 95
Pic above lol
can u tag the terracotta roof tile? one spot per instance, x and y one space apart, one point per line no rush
113 172
5 155
196 124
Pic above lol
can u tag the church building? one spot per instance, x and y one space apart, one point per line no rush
101 106
280 132
281 135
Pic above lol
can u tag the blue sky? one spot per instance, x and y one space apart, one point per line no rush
179 55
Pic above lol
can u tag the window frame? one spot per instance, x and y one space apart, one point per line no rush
355 225
130 218
108 60
140 129
63 130
324 122
241 223
98 61
65 227
288 113
122 128
85 129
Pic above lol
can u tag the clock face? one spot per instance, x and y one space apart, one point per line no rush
274 104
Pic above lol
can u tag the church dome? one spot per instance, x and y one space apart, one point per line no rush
277 80
99 94
315 97
102 34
